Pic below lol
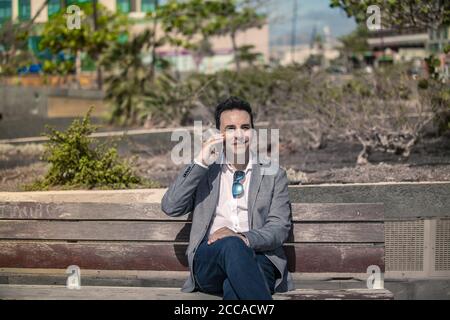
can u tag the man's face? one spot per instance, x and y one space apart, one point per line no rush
236 125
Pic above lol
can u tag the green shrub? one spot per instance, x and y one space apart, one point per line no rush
79 161
435 92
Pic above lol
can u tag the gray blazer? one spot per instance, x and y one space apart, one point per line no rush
196 189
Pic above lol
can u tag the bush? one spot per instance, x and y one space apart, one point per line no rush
383 111
79 161
435 92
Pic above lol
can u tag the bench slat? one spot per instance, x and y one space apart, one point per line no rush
47 292
152 211
175 231
171 256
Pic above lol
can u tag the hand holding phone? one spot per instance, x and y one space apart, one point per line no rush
211 149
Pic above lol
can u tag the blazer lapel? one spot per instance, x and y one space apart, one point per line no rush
255 183
214 185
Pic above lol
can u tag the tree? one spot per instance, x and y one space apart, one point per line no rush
153 14
237 18
90 39
129 78
400 13
404 14
356 42
14 53
247 54
192 23
379 111
435 91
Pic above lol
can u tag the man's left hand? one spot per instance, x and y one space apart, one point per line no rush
222 233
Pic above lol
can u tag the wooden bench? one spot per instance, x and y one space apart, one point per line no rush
134 251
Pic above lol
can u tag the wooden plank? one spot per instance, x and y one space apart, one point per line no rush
51 292
83 211
333 257
352 258
338 211
94 230
127 278
174 231
102 256
338 232
152 211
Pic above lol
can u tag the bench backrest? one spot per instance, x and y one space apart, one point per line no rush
335 238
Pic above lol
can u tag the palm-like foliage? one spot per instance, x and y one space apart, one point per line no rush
57 38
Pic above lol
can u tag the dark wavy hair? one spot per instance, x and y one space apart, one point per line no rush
232 103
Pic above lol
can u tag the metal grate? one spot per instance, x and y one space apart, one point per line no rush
442 246
404 245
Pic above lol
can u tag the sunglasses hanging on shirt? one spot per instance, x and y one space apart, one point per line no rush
238 188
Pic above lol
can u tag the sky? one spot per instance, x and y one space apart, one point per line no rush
311 14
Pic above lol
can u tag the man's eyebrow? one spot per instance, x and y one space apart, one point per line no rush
230 126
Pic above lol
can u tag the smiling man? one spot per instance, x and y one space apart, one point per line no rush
241 214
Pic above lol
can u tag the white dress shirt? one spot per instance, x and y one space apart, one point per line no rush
230 212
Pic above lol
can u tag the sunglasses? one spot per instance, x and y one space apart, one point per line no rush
238 188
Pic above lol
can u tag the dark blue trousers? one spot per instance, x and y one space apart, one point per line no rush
230 267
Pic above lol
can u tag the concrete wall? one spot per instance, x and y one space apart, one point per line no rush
401 200
19 102
64 107
25 110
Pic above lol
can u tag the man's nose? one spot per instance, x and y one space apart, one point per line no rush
239 134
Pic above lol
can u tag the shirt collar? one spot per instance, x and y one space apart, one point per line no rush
226 165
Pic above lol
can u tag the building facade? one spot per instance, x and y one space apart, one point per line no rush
181 60
22 10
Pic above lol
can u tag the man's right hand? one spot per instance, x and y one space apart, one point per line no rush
210 149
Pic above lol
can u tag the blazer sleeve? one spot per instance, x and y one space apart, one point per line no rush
179 198
279 220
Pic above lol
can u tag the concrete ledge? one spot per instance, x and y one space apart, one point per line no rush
403 289
407 200
37 292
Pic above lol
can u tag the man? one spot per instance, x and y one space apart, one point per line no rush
241 213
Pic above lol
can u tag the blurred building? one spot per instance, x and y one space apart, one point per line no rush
400 45
320 50
389 46
439 39
410 44
222 48
22 10
181 60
